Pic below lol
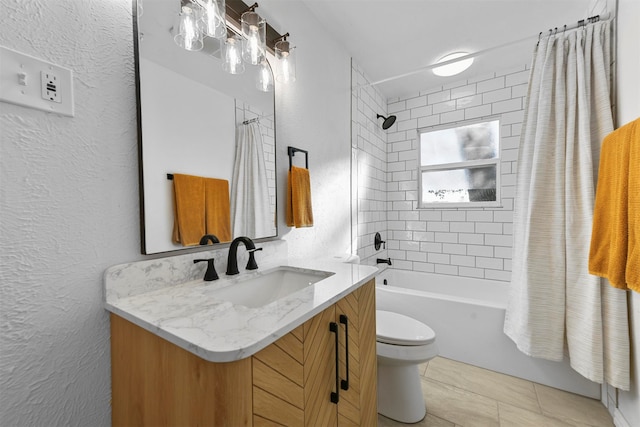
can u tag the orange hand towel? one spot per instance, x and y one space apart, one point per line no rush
217 208
633 250
615 238
189 209
298 211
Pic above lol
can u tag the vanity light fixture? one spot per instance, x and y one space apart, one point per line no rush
214 18
188 28
455 67
264 81
223 20
286 60
197 19
232 59
254 32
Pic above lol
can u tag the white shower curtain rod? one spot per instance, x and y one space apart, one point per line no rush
581 23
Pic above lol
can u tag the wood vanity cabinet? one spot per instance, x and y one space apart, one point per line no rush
290 382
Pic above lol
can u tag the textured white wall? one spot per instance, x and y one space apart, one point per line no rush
314 114
68 210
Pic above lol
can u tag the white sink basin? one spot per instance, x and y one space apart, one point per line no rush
270 286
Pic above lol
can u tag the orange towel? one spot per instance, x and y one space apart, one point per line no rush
298 211
615 238
217 208
189 209
633 251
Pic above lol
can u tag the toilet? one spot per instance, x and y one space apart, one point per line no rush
402 344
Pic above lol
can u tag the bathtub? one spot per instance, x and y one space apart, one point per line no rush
467 316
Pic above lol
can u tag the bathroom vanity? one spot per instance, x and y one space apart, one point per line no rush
182 356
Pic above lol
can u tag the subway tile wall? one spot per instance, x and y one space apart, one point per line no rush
369 167
473 242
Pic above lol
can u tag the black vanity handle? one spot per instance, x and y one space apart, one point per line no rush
335 396
344 384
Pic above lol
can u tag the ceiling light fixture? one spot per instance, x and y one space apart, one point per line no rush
455 67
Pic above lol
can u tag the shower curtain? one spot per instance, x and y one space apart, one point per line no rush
250 208
556 307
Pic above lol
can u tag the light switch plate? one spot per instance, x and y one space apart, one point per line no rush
34 83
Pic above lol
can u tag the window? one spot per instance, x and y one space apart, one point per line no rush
460 166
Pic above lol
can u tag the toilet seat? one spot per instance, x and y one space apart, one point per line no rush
397 329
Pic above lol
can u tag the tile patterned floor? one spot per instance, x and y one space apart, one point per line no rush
461 395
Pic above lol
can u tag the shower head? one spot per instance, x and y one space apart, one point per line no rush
388 121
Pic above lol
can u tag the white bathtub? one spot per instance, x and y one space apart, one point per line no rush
467 316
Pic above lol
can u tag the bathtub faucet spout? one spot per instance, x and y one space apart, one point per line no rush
383 261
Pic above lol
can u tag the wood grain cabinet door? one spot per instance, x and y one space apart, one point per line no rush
368 379
294 378
348 318
278 395
356 315
319 369
156 383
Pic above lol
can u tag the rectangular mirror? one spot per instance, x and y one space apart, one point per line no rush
191 117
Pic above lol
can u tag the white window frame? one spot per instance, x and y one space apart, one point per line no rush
460 165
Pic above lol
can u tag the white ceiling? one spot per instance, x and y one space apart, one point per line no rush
394 37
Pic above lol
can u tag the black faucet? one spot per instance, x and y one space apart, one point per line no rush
211 273
232 261
209 237
252 264
383 261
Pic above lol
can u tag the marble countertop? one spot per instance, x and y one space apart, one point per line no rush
190 316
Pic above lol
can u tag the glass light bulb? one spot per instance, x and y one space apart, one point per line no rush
254 33
213 18
189 35
285 71
286 62
265 77
254 51
232 56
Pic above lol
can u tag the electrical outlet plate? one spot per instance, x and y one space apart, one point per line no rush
49 85
34 83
